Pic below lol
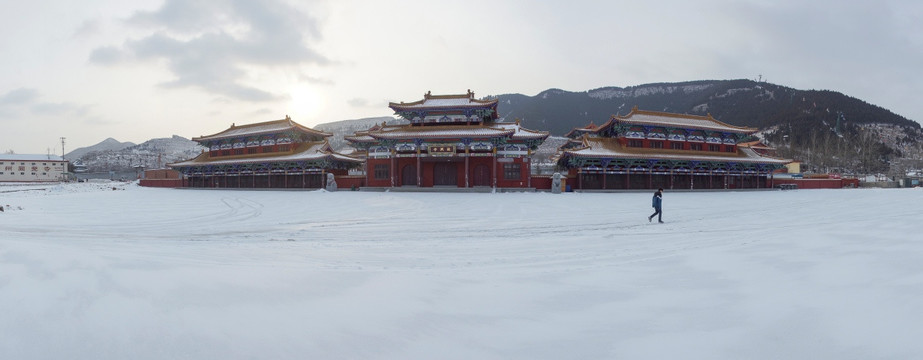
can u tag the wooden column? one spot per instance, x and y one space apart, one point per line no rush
467 155
393 157
529 168
628 177
419 181
493 170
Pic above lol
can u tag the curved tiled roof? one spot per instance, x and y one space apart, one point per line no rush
611 148
305 152
522 133
656 118
444 101
261 128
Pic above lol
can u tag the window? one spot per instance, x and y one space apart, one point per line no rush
238 151
251 151
382 171
512 171
267 149
656 144
285 147
695 147
714 147
635 143
225 152
676 146
730 149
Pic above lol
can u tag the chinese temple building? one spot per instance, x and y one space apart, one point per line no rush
452 141
272 154
650 150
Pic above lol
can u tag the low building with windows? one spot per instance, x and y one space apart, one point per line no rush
272 154
451 141
32 168
650 150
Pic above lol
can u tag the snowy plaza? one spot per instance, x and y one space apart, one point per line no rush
117 271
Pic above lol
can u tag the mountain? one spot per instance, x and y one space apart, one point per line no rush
109 144
827 130
736 102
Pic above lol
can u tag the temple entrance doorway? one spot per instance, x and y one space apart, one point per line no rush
444 174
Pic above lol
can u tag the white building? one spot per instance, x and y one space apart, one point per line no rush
31 168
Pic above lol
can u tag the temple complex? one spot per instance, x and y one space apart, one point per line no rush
650 150
272 154
450 141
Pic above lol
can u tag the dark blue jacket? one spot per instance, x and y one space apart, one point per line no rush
655 202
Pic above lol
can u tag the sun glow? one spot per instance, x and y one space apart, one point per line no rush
306 102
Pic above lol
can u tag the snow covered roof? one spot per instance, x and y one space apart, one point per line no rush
444 101
523 133
261 128
30 157
305 152
611 148
656 118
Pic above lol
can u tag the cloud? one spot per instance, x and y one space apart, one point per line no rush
21 96
208 45
315 80
61 109
107 55
358 102
262 111
87 29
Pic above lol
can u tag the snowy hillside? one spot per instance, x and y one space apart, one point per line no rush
349 127
151 154
114 271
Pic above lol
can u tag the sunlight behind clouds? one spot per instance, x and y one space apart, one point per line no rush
305 104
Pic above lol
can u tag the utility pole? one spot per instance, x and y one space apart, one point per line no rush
62 147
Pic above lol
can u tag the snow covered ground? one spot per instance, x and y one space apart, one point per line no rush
115 271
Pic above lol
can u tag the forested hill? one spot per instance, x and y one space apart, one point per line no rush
736 102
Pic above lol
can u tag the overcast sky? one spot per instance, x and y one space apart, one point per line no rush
136 70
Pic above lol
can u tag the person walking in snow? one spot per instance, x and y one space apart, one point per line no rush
656 202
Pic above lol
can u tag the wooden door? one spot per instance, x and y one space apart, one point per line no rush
444 174
409 175
481 175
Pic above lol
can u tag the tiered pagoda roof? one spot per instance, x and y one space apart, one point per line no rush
435 109
431 101
512 130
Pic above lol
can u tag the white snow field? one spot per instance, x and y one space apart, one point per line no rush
88 272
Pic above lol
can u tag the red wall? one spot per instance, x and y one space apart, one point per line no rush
542 182
161 174
161 182
426 171
347 182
